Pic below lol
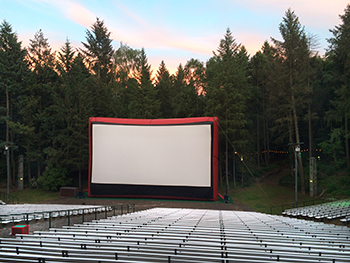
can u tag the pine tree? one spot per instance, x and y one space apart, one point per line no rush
14 78
99 50
40 93
227 92
179 102
164 91
294 52
150 105
339 53
98 56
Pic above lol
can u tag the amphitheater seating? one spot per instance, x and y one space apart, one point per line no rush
27 212
184 235
321 212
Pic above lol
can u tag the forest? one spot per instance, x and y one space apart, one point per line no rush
284 94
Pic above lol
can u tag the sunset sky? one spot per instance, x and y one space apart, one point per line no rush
171 30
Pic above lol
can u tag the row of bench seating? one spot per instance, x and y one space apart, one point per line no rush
28 212
321 212
184 235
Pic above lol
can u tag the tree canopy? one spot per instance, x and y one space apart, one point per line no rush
283 94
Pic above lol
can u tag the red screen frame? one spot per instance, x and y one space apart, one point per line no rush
213 121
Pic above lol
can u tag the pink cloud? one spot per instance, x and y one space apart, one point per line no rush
309 12
148 35
78 13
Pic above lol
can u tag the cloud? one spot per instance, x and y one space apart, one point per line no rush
168 30
78 13
309 11
152 33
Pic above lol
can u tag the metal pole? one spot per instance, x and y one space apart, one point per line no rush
50 219
296 178
7 143
8 172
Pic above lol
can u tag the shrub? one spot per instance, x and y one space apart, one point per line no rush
54 178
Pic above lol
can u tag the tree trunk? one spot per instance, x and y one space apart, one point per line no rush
39 151
266 130
347 141
220 171
234 169
267 142
28 169
242 181
291 149
310 133
227 186
13 161
7 126
296 127
258 139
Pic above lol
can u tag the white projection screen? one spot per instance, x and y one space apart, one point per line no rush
161 158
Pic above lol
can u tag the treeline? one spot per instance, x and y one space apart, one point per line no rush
286 93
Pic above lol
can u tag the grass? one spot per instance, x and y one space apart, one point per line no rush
260 197
34 196
264 196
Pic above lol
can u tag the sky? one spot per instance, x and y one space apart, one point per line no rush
171 30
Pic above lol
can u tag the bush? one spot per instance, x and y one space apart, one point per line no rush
54 178
337 186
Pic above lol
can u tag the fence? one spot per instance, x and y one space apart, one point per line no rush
83 212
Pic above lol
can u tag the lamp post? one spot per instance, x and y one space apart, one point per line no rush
8 171
296 152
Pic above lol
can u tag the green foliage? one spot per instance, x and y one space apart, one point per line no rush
337 186
333 147
54 178
282 93
98 50
227 90
339 55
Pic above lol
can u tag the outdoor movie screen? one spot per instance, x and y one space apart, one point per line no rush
158 158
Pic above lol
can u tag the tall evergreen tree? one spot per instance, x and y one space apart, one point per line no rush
164 90
62 108
227 93
42 63
14 78
182 95
339 53
150 105
265 77
99 55
99 50
294 51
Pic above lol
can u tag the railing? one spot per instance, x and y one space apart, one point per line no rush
12 199
27 217
278 209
